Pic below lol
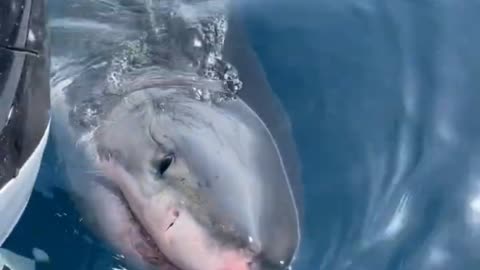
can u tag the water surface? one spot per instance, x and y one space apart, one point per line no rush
383 97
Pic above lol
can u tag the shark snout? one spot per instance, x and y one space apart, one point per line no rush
192 246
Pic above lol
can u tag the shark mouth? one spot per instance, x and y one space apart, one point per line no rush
138 238
144 244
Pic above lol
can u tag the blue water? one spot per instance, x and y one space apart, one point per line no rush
383 98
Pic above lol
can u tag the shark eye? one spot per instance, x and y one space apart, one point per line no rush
165 163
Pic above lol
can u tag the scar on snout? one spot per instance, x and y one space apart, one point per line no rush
176 214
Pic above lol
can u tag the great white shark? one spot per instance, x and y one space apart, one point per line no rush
168 147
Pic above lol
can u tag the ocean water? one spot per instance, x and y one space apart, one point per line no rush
383 97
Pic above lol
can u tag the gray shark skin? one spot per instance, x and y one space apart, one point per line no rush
163 158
